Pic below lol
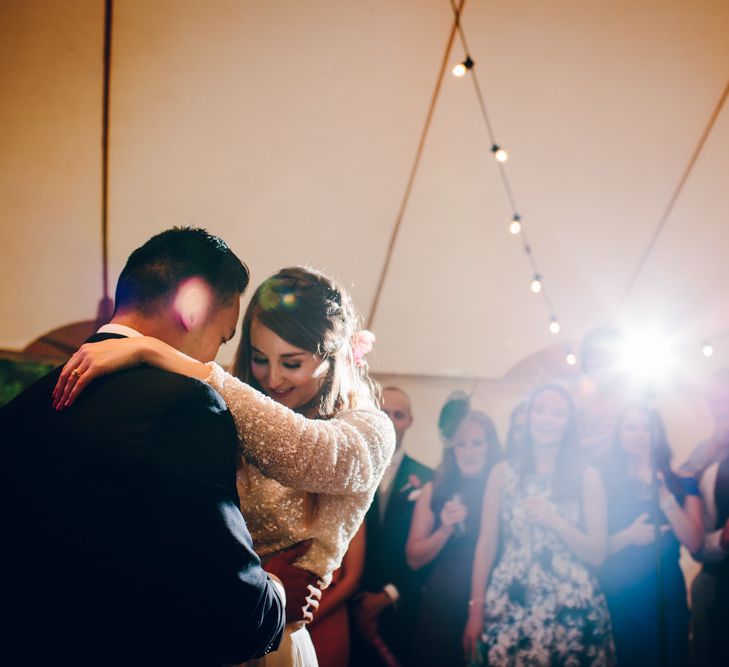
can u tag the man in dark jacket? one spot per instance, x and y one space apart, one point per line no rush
123 543
386 609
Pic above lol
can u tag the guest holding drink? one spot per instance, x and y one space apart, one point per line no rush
629 575
540 604
444 531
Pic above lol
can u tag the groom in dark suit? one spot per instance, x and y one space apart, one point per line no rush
386 609
122 540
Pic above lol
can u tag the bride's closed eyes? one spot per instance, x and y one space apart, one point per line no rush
292 365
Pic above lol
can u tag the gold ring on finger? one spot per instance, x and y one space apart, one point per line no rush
77 373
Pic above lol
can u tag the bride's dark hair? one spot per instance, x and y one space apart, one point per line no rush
310 311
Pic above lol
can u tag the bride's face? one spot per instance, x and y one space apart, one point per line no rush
289 375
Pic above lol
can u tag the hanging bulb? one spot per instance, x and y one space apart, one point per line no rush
499 153
570 358
554 325
537 283
707 349
461 68
515 226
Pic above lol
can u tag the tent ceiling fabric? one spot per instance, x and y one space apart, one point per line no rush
289 129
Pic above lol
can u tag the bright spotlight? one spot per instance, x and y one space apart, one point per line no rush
571 359
708 350
647 357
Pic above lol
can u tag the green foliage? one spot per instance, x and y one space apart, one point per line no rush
17 375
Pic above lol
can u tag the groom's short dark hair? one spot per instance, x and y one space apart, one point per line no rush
154 271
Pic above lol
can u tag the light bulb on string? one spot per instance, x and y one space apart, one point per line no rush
570 358
536 283
499 153
707 349
461 68
554 325
515 226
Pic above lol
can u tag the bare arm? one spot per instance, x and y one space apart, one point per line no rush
424 543
589 545
352 567
686 522
640 533
483 558
93 360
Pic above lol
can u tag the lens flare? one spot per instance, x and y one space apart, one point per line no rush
647 356
193 301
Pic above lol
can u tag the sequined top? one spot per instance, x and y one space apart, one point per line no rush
341 459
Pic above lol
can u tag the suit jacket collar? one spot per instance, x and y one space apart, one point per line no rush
95 338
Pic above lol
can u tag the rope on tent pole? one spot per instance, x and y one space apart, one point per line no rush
104 313
674 197
415 167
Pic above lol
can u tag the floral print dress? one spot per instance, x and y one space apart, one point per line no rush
543 605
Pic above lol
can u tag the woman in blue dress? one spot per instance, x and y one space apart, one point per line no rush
629 575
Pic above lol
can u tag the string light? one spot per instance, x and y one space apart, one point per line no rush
499 153
516 227
570 358
707 349
461 68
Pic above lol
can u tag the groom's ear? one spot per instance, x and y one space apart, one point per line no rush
192 303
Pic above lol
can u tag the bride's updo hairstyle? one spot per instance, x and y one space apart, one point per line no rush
310 311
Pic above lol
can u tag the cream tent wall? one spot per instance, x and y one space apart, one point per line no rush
289 128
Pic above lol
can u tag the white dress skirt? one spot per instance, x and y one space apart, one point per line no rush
296 650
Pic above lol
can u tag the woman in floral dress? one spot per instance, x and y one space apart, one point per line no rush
542 605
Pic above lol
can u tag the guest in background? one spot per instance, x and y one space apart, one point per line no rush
715 551
385 611
703 463
517 430
542 606
629 575
600 393
445 528
330 630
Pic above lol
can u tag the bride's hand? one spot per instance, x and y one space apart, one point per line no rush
93 360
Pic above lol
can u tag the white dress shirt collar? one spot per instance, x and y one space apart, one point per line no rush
119 329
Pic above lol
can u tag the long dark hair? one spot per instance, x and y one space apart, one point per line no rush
309 310
512 440
567 474
448 478
661 453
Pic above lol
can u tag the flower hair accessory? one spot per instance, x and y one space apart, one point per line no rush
362 343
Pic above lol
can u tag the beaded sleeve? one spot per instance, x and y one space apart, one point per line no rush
344 455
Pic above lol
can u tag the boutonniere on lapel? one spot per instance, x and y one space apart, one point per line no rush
414 486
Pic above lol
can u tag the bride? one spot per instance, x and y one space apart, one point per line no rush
314 444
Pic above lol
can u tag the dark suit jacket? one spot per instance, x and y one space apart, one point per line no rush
385 561
123 543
